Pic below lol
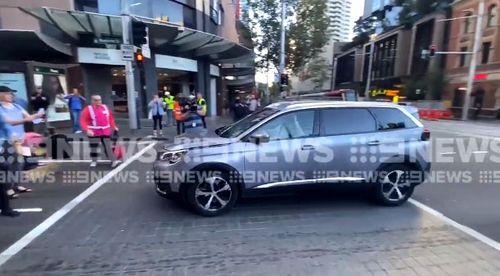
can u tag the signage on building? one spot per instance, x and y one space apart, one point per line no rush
214 70
384 92
100 56
49 71
176 63
127 52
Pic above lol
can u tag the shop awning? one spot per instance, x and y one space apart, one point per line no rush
163 37
28 44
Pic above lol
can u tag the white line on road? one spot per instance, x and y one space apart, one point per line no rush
29 210
467 230
46 224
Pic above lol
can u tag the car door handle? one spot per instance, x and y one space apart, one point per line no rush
307 147
374 143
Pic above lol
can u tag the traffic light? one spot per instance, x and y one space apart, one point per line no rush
139 58
432 50
284 79
139 33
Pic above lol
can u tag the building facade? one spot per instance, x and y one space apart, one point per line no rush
487 82
61 45
339 12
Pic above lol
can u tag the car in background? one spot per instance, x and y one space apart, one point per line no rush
299 144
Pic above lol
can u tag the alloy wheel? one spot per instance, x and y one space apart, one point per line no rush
213 194
396 186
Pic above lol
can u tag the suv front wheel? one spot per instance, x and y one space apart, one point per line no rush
213 195
394 186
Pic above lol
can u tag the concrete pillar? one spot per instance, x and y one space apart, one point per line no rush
97 80
203 82
151 84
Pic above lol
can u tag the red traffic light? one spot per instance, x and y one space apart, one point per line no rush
432 50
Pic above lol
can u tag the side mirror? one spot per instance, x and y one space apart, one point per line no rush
259 138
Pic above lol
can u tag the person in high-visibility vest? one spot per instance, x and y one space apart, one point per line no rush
202 109
169 110
179 116
98 122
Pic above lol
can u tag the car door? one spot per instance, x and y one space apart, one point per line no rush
286 158
348 133
395 134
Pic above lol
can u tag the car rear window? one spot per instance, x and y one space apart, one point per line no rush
391 118
338 121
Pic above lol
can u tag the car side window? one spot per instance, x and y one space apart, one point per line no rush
297 124
391 118
339 121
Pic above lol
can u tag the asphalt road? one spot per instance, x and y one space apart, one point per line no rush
472 201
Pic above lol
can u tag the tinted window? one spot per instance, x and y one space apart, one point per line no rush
337 121
391 118
297 124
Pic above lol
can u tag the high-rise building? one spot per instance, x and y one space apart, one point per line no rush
339 12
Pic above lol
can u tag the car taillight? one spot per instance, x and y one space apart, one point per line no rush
426 135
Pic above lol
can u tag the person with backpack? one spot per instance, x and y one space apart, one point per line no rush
75 102
98 122
15 117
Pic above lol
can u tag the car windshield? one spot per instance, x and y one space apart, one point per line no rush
242 125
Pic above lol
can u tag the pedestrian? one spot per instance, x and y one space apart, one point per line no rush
252 107
157 109
98 122
40 103
15 117
5 170
478 102
202 109
75 102
179 111
240 110
169 109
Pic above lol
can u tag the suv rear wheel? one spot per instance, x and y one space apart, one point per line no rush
213 195
394 186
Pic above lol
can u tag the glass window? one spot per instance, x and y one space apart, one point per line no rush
467 23
485 55
391 118
246 123
86 5
338 121
492 16
462 57
110 6
298 124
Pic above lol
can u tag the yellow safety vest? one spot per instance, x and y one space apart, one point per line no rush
169 101
203 103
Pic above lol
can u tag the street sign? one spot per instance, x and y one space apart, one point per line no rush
127 52
146 51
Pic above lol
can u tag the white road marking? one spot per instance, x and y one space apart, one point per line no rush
467 230
29 210
46 224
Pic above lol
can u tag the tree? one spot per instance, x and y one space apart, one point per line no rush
317 72
309 33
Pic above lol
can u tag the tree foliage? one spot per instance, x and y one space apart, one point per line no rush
317 72
309 33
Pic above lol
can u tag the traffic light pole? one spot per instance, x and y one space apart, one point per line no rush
282 48
129 68
473 63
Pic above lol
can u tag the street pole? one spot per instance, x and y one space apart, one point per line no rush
129 67
282 49
334 73
370 66
472 67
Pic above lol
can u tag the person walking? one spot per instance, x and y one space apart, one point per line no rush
254 104
157 109
202 109
169 109
75 102
179 115
98 122
4 170
40 103
15 117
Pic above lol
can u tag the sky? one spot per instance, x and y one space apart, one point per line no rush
356 12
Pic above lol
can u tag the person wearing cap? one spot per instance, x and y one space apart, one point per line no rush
169 110
14 117
98 122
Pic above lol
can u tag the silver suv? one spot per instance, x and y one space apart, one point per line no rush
298 144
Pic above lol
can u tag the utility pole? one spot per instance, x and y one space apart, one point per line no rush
370 67
475 52
282 50
129 68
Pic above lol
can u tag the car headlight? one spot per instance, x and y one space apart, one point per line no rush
173 157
